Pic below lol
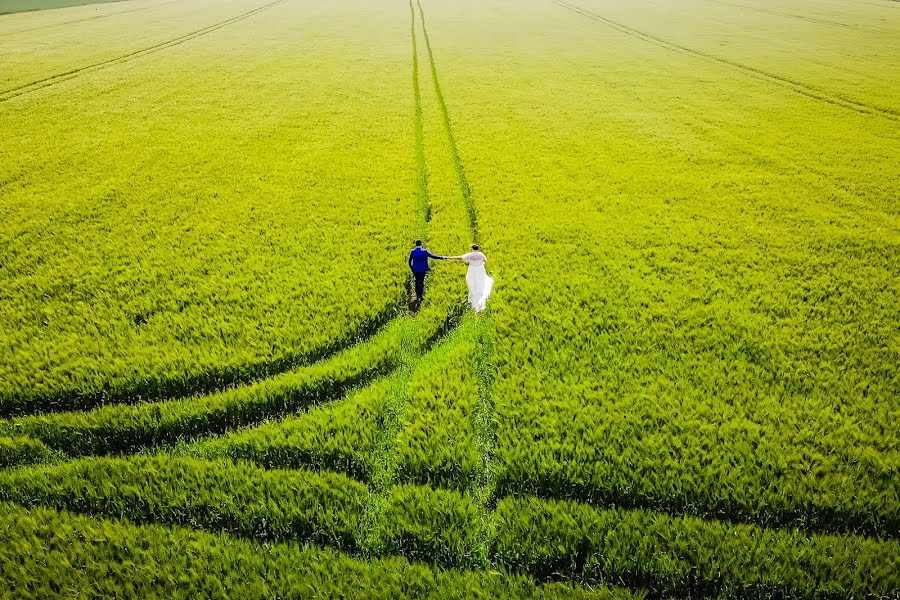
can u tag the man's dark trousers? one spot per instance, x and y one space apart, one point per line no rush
420 285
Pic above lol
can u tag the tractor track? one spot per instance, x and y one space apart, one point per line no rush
52 80
180 387
796 86
484 487
463 182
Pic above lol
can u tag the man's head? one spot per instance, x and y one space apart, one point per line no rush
475 247
418 243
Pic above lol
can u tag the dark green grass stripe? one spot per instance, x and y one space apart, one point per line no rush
213 495
689 557
24 450
123 429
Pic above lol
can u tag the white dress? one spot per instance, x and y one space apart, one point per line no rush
480 285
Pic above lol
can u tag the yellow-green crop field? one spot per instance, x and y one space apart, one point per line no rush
687 381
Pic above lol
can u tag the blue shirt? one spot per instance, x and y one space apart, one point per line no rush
418 260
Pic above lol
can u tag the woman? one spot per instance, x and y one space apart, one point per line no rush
480 285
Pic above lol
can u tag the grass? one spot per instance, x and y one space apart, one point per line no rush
685 382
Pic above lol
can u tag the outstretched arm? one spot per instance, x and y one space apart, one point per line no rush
435 256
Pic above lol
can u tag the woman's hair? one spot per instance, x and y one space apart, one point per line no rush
475 247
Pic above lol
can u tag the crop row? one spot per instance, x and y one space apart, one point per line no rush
45 553
548 539
24 450
340 436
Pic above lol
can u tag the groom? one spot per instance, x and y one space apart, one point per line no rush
418 262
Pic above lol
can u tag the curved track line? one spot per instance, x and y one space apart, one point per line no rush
179 387
800 88
45 82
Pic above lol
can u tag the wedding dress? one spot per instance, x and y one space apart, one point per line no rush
480 285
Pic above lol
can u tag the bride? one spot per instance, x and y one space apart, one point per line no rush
480 285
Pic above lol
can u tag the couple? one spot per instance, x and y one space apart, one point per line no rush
480 284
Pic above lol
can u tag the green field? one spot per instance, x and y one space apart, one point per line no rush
687 381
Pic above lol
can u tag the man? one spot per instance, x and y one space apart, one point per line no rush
418 262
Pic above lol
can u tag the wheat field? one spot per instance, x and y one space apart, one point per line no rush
686 381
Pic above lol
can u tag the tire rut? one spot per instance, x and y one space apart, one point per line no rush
458 166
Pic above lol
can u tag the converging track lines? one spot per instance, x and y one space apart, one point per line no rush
798 87
458 167
45 82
